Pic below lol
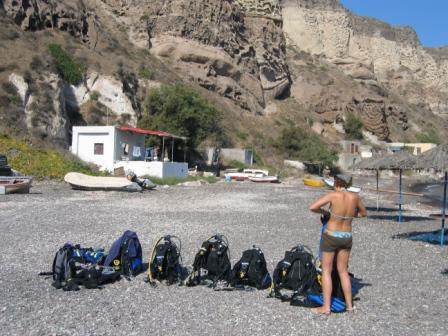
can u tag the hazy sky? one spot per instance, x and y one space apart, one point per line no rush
429 18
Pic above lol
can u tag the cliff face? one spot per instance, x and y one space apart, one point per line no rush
367 49
254 57
233 48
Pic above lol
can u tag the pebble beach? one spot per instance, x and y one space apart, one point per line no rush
401 288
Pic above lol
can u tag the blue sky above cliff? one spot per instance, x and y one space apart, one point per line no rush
428 18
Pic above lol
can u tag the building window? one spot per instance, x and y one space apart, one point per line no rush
98 149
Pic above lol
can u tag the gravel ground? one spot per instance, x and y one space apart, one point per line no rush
402 289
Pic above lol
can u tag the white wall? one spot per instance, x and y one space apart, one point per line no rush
155 168
84 139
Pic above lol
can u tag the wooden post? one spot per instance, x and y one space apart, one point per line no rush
442 230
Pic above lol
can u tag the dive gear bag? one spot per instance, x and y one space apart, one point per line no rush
125 254
165 261
74 266
251 270
295 272
211 263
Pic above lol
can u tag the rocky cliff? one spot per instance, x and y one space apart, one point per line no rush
369 50
261 61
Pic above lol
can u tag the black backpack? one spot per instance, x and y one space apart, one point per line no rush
74 266
125 254
165 261
251 270
296 272
211 263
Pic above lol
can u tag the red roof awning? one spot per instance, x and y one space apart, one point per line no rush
126 128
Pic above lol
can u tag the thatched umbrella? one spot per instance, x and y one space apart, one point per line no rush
398 161
371 164
437 159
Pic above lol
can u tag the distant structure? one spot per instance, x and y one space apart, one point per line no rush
414 148
112 147
353 152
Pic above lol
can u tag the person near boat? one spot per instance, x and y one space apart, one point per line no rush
336 240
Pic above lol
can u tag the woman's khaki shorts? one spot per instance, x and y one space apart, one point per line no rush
332 244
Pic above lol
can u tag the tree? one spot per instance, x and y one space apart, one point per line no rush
353 127
179 110
304 145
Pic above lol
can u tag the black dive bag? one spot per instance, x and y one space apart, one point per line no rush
212 262
295 272
74 266
165 261
251 270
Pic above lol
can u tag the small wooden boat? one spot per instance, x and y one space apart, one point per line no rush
330 184
246 174
15 184
86 182
313 182
264 178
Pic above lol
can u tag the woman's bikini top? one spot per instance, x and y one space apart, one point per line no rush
340 217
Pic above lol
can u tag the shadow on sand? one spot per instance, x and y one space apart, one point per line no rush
382 209
431 237
404 218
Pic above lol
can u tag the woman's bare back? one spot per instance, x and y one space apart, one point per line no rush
344 206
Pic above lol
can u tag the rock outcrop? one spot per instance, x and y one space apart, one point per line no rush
234 48
369 50
70 16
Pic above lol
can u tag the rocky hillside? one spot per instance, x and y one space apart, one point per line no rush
265 64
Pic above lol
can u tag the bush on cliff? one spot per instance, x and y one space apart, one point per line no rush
300 144
70 70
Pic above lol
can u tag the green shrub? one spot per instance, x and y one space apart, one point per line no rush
353 127
94 95
70 70
145 73
177 180
429 136
236 164
41 162
14 99
297 143
181 111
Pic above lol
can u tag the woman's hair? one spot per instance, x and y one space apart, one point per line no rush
342 182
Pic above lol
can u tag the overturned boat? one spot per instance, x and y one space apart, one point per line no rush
80 181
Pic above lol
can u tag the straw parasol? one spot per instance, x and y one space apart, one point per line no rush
437 159
398 161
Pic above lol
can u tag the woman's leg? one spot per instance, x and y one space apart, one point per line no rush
342 265
327 286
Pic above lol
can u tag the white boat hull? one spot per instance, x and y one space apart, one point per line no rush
92 183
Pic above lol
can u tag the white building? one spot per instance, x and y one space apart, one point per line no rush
111 147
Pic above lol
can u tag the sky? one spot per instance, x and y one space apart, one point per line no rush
429 18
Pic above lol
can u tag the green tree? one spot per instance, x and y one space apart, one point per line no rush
70 70
353 127
179 110
304 145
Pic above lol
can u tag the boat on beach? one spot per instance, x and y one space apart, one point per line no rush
15 184
80 181
313 182
246 174
264 179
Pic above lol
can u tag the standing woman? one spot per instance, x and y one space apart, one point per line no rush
337 238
